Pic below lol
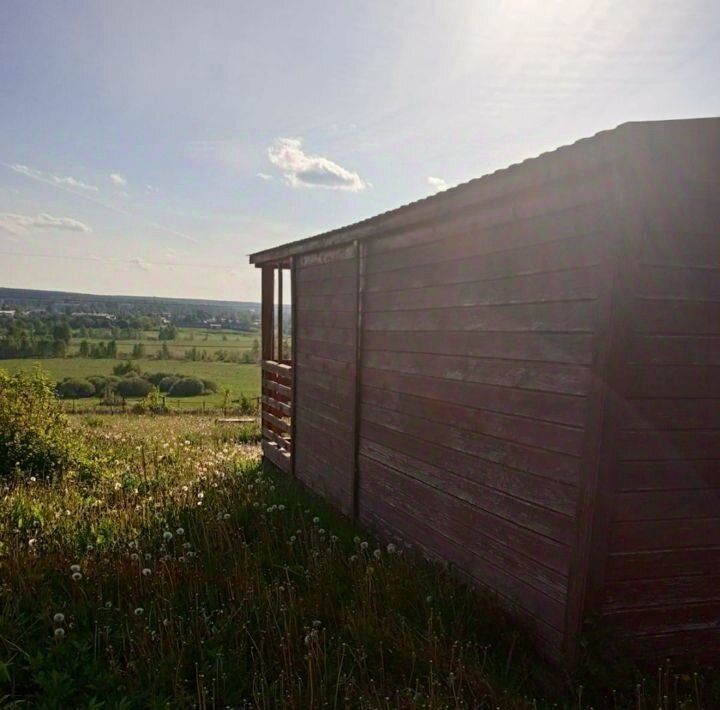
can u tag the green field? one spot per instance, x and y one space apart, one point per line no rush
206 340
239 379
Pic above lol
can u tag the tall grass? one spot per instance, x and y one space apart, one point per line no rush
185 575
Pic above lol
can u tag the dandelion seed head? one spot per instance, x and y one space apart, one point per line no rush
59 618
59 633
76 576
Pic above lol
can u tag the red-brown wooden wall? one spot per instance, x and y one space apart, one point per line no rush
521 377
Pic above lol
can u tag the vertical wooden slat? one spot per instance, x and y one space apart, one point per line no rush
280 315
293 356
266 317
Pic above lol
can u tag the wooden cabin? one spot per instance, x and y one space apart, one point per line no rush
521 376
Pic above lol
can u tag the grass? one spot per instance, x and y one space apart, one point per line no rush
184 575
237 378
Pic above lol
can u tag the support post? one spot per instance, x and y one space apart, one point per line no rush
359 285
266 318
293 359
280 315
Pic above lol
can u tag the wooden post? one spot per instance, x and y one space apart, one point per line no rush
280 315
293 360
268 277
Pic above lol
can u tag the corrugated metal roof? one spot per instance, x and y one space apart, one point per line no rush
366 227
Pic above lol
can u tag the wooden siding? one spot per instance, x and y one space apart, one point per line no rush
661 581
479 344
325 292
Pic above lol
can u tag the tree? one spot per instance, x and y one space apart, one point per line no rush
84 348
255 350
138 351
168 332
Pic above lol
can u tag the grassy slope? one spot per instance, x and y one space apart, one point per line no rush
238 378
264 598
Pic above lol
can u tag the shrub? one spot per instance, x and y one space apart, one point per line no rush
157 377
35 438
166 384
99 383
210 385
126 368
187 387
133 387
76 388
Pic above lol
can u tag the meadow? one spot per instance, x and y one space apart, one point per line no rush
181 573
238 378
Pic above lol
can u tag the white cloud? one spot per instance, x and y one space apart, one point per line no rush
303 170
117 180
151 188
60 180
140 263
437 183
20 223
264 176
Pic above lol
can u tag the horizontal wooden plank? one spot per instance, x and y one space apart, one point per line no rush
343 269
483 566
323 415
321 364
277 457
325 256
310 434
532 503
574 348
332 467
283 371
665 246
330 334
548 464
338 403
668 445
668 619
668 475
671 413
667 505
277 405
565 379
524 430
663 563
674 350
543 406
327 479
339 384
279 389
344 352
563 256
558 317
647 534
342 320
336 302
694 644
282 444
678 283
676 317
673 381
646 593
275 423
330 286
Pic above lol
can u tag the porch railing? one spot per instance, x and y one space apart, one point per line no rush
276 401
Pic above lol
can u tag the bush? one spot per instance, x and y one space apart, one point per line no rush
166 384
35 438
126 368
99 383
187 387
210 385
76 388
157 377
133 387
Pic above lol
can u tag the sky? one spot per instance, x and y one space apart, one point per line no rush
147 147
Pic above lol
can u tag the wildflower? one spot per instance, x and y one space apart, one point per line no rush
59 618
167 535
428 599
363 545
146 572
391 549
353 558
321 531
334 538
316 520
77 576
148 556
32 541
376 554
139 611
180 532
281 508
186 546
134 557
74 568
59 633
356 540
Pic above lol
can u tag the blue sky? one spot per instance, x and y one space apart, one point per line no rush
148 147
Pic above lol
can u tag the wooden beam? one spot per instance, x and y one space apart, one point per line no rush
268 295
276 456
293 355
276 404
276 422
359 285
277 368
283 444
280 315
283 390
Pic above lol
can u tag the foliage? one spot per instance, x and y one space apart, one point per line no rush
133 387
209 385
75 388
187 387
167 382
35 439
126 368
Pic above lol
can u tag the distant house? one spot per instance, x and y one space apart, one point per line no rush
8 314
521 376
